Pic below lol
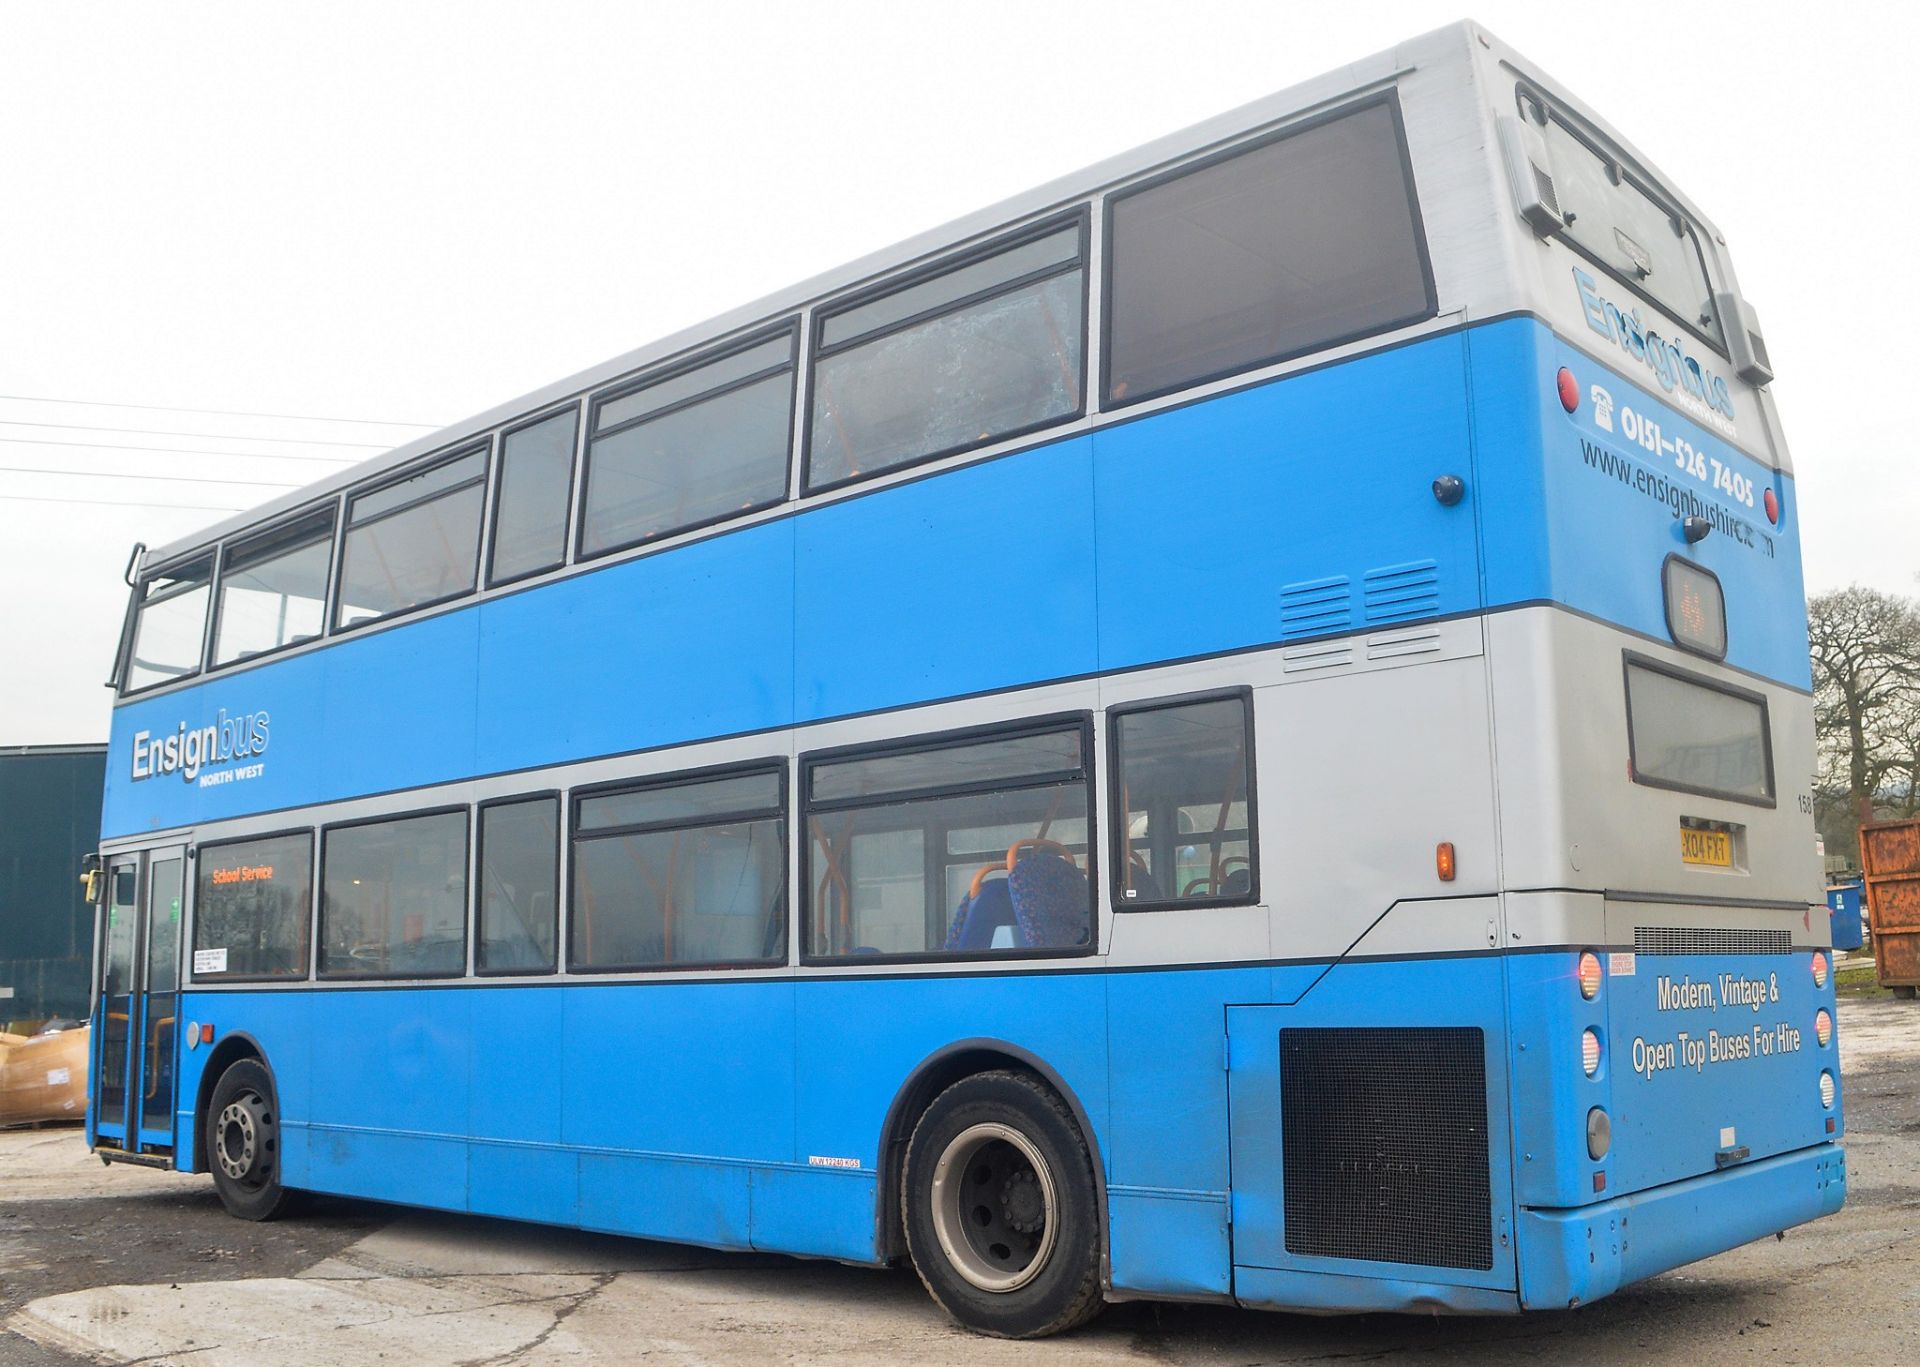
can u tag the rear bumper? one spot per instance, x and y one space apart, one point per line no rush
1568 1257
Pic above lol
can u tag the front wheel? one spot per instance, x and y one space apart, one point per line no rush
243 1142
1001 1214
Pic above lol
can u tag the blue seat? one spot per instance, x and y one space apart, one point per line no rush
978 916
1050 904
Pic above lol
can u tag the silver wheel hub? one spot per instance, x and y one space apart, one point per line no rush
995 1209
239 1139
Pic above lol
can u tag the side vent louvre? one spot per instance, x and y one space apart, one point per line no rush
1384 1133
1400 593
1531 175
1316 607
1681 940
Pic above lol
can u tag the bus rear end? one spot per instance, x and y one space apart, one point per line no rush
1675 1073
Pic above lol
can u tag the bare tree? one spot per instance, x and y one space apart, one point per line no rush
1866 678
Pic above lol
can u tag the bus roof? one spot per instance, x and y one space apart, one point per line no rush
1453 45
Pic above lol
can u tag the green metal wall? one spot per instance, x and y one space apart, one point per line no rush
49 819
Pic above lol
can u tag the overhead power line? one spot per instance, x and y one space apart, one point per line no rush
215 412
116 503
220 436
178 450
163 479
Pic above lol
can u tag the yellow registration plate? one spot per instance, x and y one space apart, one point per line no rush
1713 848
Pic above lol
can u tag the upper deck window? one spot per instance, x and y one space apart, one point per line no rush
413 542
530 506
981 351
690 447
169 625
1623 225
1301 242
273 589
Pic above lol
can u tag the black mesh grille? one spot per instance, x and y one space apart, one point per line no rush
1385 1134
1686 940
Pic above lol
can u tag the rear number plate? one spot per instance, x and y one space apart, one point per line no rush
1712 848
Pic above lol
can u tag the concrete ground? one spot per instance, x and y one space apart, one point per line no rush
126 1265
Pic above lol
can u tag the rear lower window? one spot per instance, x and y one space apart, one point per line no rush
1696 736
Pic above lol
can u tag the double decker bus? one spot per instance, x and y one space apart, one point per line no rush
1236 728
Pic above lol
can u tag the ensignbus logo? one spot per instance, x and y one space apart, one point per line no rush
187 751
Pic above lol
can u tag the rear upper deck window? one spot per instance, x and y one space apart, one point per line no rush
1297 243
1626 228
169 622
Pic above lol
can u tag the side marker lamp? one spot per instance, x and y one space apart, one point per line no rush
1443 861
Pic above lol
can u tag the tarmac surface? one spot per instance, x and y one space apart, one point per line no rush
126 1265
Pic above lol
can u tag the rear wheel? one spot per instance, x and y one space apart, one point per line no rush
1001 1213
1905 993
243 1142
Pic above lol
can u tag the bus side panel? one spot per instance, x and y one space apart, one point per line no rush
515 1166
1213 515
977 580
859 1041
1167 1175
387 1108
695 1081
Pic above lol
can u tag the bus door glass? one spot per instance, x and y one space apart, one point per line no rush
114 1005
153 1062
139 992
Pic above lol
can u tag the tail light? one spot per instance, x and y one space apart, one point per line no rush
1819 969
1823 1027
1589 974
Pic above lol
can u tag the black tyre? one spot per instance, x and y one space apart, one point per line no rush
243 1142
1905 993
1001 1213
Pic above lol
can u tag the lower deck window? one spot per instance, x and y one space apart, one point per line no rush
393 898
1688 733
252 907
1184 778
969 848
681 873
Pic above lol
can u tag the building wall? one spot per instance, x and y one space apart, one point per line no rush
49 819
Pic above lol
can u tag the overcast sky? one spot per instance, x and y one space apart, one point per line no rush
405 213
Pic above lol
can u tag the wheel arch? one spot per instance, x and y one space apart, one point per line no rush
229 1051
933 1075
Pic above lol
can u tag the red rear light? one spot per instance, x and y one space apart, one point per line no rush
1819 969
1589 974
1771 502
1822 1026
1569 389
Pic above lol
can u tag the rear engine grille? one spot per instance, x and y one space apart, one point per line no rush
1677 940
1385 1135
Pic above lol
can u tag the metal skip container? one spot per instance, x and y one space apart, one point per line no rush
1890 859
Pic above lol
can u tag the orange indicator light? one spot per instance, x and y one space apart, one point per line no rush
1443 860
